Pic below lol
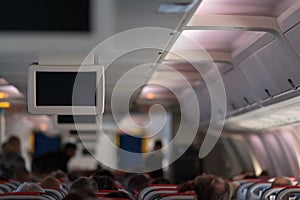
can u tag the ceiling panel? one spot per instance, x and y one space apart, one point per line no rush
244 7
18 49
213 40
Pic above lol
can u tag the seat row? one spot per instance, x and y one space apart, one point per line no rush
164 192
263 190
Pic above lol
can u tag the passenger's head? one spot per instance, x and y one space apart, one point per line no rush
13 145
210 187
50 182
14 140
70 149
29 187
282 181
60 175
137 183
186 186
83 185
81 196
104 172
16 143
105 183
157 145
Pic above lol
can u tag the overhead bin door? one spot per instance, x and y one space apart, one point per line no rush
189 110
293 37
259 78
204 102
238 92
280 65
274 69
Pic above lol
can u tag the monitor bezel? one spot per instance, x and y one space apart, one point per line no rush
66 110
78 126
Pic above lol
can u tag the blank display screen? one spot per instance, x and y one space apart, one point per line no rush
45 15
60 88
71 119
77 132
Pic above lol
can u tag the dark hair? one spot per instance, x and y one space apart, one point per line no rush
29 187
60 175
210 187
84 184
136 183
50 182
70 145
282 181
105 182
158 143
186 186
14 138
104 172
118 194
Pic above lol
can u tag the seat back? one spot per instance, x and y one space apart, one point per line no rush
271 193
5 188
289 193
16 183
178 196
54 193
25 195
255 191
153 187
241 191
158 191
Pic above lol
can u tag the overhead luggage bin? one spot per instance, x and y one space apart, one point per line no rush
282 69
293 37
260 80
238 91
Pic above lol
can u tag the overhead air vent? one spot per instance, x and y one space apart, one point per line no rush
176 7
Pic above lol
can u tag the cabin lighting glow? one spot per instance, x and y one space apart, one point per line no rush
292 112
43 126
277 116
3 95
4 105
150 95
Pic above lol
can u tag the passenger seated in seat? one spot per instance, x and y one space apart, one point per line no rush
137 183
52 161
282 181
208 187
104 172
60 175
187 186
84 185
11 158
29 187
50 182
105 183
154 161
